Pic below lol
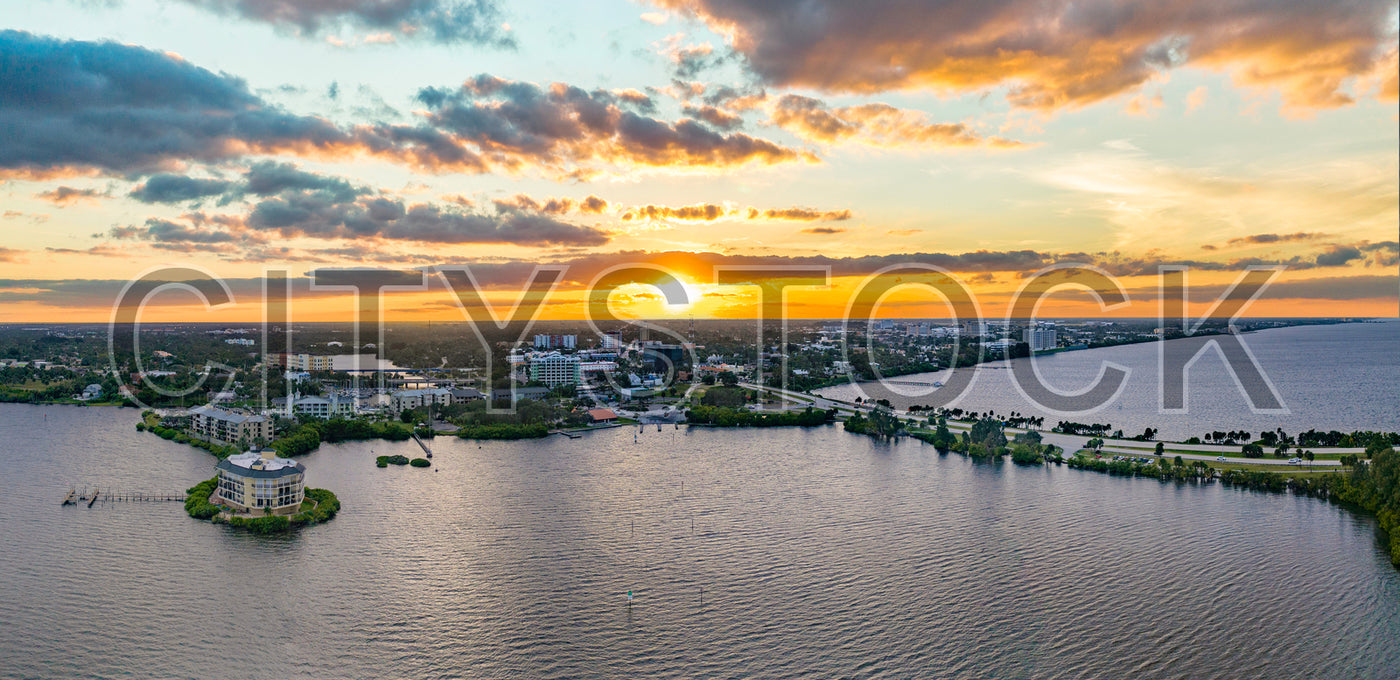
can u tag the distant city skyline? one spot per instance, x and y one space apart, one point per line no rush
991 140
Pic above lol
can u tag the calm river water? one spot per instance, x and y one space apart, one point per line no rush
820 554
1340 377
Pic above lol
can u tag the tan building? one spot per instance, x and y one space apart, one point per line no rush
404 400
230 427
259 481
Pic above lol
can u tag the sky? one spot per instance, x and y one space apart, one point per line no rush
989 140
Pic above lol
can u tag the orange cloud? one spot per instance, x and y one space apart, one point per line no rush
800 215
876 124
566 131
189 115
64 196
710 212
1059 53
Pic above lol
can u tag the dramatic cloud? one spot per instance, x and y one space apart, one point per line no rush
70 107
167 188
1337 256
165 231
1383 254
1017 263
569 131
876 124
80 108
11 255
705 212
440 21
1060 53
716 118
290 203
65 196
511 275
592 205
550 206
1334 288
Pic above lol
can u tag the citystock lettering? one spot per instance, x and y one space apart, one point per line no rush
499 331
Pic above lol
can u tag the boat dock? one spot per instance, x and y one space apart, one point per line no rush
74 497
423 445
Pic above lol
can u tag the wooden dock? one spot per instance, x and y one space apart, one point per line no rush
74 497
422 444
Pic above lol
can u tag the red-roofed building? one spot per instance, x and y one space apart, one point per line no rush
601 415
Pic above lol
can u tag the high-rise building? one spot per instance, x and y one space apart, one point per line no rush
555 369
1040 338
556 341
666 357
612 340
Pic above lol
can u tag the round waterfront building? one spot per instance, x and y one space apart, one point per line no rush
261 482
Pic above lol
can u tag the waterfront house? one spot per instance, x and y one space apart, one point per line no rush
260 481
601 416
91 392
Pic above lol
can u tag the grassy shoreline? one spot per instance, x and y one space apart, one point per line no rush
1373 488
320 507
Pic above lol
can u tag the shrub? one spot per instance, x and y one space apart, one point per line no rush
1022 454
504 431
420 462
197 499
